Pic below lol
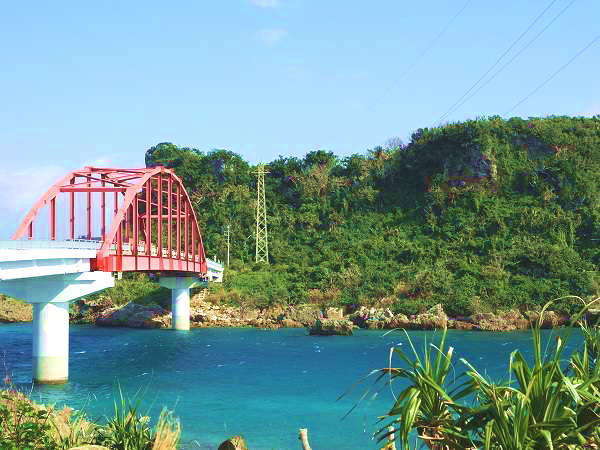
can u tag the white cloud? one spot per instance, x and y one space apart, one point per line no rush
265 3
272 36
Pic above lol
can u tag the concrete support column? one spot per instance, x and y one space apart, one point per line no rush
50 296
180 307
180 298
51 342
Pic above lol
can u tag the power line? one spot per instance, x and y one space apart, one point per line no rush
515 56
510 47
556 72
426 50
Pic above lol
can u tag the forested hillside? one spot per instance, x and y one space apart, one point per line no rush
481 215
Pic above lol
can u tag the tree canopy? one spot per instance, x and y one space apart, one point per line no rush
481 215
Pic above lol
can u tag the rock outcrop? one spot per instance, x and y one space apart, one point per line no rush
305 314
334 313
289 323
377 319
88 311
461 325
397 321
435 318
500 321
331 327
365 317
133 315
550 319
12 310
205 314
234 443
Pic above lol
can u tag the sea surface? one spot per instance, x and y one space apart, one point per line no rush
264 385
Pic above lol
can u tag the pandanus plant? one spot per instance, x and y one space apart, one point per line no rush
551 403
426 405
541 408
586 372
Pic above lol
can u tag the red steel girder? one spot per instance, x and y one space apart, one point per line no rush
153 225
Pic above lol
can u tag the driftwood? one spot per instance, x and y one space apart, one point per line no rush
303 436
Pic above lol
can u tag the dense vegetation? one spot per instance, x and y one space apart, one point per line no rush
482 215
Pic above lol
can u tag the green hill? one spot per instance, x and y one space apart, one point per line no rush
481 215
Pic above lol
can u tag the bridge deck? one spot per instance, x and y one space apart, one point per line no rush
30 258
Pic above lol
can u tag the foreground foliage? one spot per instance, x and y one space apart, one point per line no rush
27 425
551 402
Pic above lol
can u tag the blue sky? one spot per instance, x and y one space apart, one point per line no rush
100 82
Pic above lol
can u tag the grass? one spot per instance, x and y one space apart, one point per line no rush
27 425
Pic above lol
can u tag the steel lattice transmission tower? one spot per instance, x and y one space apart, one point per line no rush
262 239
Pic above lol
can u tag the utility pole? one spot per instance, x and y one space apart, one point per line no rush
228 237
262 239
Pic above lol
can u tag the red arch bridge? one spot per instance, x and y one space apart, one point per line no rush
89 225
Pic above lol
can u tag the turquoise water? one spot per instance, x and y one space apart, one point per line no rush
262 384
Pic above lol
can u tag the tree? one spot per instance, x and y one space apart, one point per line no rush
394 143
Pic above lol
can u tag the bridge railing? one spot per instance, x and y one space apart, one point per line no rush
129 248
214 265
78 244
87 244
215 270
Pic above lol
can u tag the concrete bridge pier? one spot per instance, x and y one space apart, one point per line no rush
51 342
180 299
50 296
180 307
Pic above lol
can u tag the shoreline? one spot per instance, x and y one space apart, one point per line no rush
101 312
208 315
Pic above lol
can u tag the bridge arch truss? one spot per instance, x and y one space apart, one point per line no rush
143 219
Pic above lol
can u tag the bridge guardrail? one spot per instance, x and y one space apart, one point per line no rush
79 244
214 265
86 244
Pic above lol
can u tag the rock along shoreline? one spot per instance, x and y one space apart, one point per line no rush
102 312
209 315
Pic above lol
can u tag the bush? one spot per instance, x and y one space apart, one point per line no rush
138 288
22 424
26 425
